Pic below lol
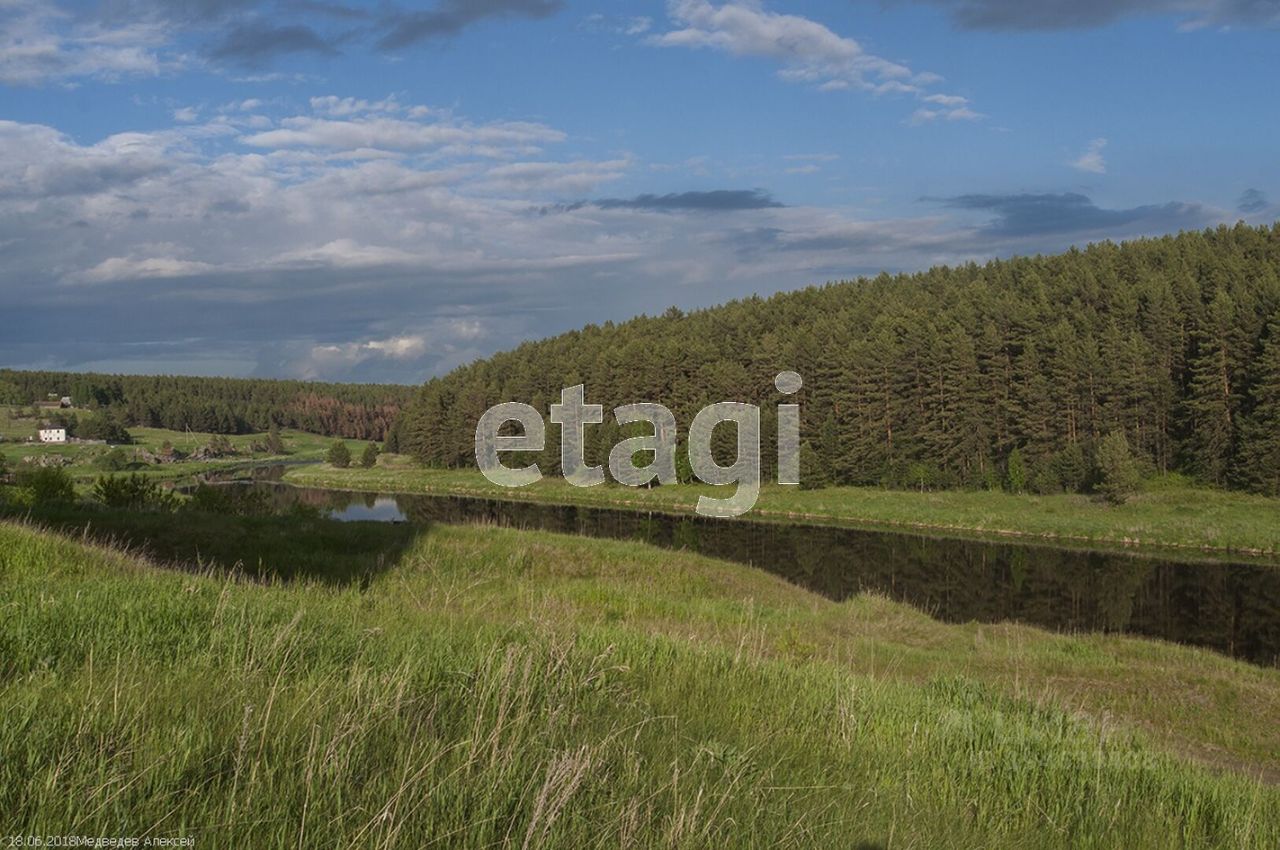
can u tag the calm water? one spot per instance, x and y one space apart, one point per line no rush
1233 608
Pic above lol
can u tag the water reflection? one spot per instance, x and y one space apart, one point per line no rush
1233 608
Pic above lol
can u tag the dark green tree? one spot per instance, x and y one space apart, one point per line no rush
275 444
1259 467
339 455
1016 472
1118 477
369 457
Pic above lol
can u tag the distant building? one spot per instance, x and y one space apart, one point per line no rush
53 435
65 401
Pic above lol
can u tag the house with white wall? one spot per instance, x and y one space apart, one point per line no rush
53 435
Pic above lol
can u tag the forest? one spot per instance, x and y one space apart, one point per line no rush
217 405
1011 374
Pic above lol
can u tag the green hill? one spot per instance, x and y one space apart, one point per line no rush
480 687
1010 373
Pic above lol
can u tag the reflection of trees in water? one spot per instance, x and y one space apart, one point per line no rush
1234 608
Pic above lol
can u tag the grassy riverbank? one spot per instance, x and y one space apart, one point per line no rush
487 687
1169 513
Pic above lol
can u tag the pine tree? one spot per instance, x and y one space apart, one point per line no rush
1260 443
275 445
1213 399
339 455
1017 472
1117 472
369 457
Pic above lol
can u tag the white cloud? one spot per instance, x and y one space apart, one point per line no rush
925 115
809 52
141 268
1091 160
341 107
574 177
398 134
40 44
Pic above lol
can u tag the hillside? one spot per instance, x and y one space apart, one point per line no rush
480 687
1005 374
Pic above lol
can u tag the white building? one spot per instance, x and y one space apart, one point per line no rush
53 435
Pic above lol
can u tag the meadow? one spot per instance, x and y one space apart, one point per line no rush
482 687
85 461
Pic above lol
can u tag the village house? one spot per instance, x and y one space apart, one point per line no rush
53 435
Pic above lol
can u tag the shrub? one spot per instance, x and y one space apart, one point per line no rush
132 492
114 460
45 485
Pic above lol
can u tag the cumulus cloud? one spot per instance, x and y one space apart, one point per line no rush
39 43
302 257
1087 14
808 51
42 41
1091 160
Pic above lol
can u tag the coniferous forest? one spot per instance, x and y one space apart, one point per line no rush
1006 374
218 405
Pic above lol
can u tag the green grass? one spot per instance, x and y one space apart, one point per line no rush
494 688
1170 513
300 446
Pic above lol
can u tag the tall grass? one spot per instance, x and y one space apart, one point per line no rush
465 698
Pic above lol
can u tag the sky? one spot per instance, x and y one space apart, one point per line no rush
382 191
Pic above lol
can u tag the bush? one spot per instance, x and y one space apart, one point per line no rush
132 492
369 458
339 455
45 485
114 460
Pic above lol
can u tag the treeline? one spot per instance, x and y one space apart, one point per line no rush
218 405
1008 374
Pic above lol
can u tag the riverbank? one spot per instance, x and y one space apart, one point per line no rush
1169 515
589 692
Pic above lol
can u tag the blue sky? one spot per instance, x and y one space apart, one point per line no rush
383 191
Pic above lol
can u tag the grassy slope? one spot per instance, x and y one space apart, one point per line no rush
499 688
1169 514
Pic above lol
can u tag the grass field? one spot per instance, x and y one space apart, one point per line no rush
300 446
489 688
1169 513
